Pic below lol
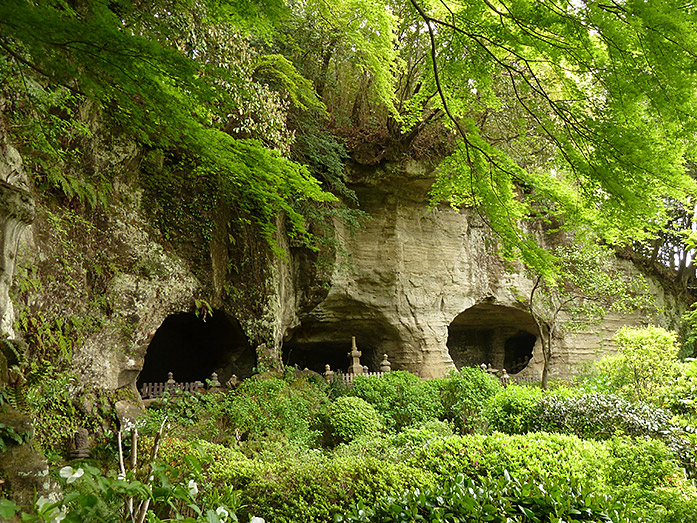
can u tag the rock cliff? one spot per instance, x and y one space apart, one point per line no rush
121 299
426 286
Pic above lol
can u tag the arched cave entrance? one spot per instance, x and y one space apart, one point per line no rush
192 349
492 334
326 339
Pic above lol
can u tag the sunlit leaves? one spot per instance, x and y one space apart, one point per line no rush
606 92
179 77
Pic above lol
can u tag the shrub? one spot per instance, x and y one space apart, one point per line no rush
681 395
313 488
601 416
643 464
350 417
645 363
463 396
643 474
267 410
257 414
536 455
402 398
303 485
514 410
501 499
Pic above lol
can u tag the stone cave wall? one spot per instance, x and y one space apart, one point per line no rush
104 280
422 285
425 286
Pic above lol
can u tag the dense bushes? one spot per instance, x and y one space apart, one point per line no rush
457 448
514 410
259 411
519 410
405 400
306 486
503 499
646 362
351 417
537 456
463 396
401 398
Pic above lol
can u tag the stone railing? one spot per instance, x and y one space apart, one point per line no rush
156 390
356 369
347 378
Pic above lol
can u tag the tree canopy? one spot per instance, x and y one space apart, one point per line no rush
573 114
600 106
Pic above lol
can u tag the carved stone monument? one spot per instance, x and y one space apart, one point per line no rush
385 365
355 368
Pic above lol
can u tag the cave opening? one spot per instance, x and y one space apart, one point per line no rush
314 355
497 335
192 349
518 351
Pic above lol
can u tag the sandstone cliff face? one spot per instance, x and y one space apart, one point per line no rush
422 285
425 286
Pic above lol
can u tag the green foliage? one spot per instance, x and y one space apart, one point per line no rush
595 416
9 435
322 152
502 499
537 455
514 410
261 414
641 474
589 283
50 398
350 417
293 486
645 365
400 397
464 394
642 464
688 324
90 495
579 123
681 395
50 395
644 475
169 99
314 489
266 410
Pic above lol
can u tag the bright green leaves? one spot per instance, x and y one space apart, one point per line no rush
578 113
275 179
344 46
275 68
179 78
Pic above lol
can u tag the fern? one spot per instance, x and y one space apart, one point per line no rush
16 396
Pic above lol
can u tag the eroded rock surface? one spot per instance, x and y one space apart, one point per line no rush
425 286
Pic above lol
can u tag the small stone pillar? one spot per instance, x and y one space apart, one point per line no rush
355 368
385 365
170 379
214 383
505 378
81 442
